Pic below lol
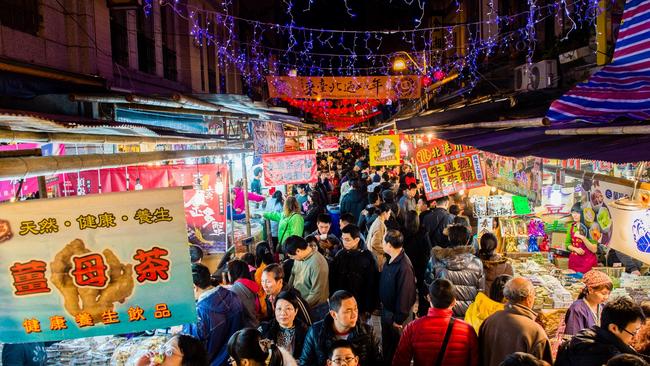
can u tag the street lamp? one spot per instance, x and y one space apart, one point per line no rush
399 63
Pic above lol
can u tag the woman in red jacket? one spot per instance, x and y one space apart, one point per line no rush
423 340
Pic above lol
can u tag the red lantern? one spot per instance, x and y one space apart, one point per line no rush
426 80
439 75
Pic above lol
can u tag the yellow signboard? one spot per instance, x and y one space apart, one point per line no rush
330 87
384 150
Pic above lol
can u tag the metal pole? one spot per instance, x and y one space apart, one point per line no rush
245 184
232 209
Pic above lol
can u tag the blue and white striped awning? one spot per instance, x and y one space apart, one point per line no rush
620 89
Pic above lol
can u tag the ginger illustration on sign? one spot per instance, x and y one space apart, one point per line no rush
81 277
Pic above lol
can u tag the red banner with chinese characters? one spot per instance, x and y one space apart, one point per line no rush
290 168
447 169
327 143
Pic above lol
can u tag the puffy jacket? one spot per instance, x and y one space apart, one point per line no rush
271 330
481 309
592 346
290 225
219 316
240 204
353 202
246 291
463 269
493 268
321 336
311 216
422 341
356 271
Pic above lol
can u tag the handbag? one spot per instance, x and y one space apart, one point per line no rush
441 353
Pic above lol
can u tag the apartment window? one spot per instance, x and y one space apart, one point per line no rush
21 15
146 43
168 43
119 38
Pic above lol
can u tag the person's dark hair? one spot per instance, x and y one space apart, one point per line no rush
458 235
279 197
324 218
441 293
357 185
585 290
290 297
196 253
454 209
315 198
353 230
620 311
373 197
347 217
276 269
201 276
249 258
461 220
340 343
522 359
488 245
496 289
245 344
257 171
411 222
263 254
384 207
442 200
394 238
293 243
337 299
385 176
194 353
238 269
412 185
627 359
311 239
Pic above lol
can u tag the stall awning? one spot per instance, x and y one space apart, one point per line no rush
620 90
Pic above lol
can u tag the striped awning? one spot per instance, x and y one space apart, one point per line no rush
620 90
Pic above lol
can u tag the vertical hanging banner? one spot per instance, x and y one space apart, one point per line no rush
327 143
94 265
268 137
384 150
205 209
447 169
290 168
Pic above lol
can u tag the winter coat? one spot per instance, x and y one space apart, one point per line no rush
354 202
434 223
463 269
356 271
376 235
591 346
422 341
311 216
513 330
239 203
289 225
271 330
310 277
418 249
24 354
304 313
331 240
321 336
366 221
220 315
246 291
405 205
397 289
481 309
493 268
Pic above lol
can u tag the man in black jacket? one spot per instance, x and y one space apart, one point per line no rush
273 284
396 291
436 221
354 269
621 319
342 322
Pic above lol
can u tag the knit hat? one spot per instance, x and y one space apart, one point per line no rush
595 278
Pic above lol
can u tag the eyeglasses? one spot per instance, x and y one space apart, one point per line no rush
344 361
169 351
231 361
630 333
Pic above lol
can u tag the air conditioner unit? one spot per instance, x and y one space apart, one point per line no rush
540 75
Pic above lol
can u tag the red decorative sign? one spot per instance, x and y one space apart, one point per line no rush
290 168
447 169
327 143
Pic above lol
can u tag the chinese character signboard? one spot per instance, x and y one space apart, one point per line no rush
327 143
521 177
446 168
94 265
205 209
331 87
268 137
384 150
290 168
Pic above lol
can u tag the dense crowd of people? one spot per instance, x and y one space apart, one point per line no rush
388 277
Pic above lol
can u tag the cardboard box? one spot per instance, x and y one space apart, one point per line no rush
561 263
